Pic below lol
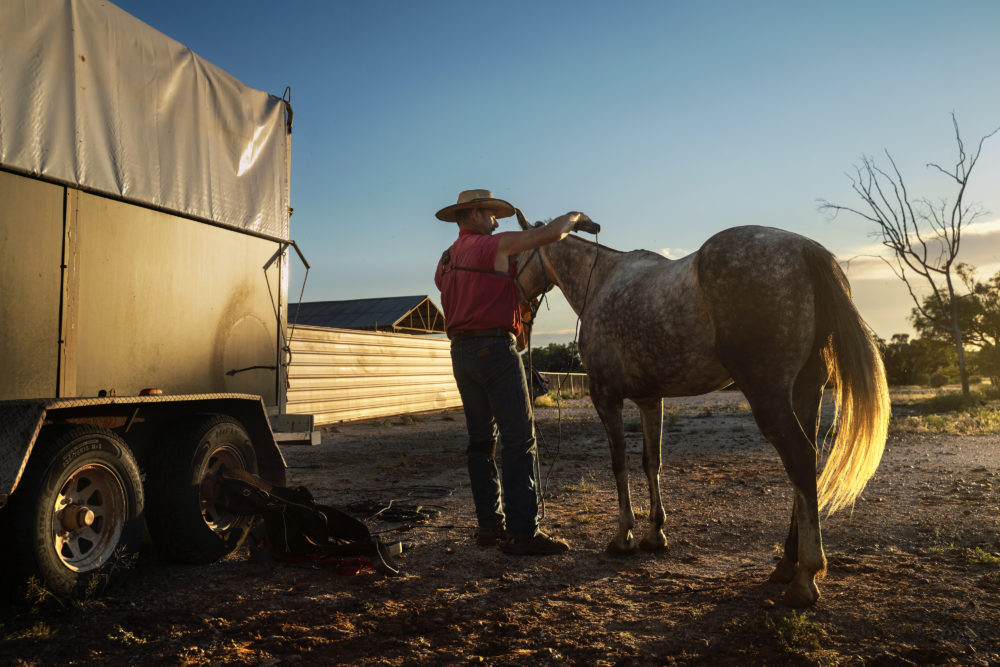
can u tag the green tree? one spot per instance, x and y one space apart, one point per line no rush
557 358
989 364
978 313
914 361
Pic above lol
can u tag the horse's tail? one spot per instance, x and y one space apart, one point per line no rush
860 392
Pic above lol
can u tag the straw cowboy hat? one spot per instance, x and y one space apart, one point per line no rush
476 199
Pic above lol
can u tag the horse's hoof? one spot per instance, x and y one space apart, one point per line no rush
653 545
616 549
799 597
783 573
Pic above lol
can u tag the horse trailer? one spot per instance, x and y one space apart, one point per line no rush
144 259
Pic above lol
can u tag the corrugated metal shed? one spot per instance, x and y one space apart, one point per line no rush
339 375
401 314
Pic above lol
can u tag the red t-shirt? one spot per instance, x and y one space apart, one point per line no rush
472 300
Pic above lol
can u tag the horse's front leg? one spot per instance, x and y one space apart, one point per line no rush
610 411
651 411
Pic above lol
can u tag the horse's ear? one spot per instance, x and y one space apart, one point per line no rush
521 220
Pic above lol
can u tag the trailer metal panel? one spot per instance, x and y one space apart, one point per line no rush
167 302
31 232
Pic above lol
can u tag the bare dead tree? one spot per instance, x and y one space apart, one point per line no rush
924 236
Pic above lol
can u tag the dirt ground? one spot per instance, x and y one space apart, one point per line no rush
913 578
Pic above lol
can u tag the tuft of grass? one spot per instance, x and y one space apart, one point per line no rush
633 426
553 398
673 421
586 484
38 597
126 637
948 402
39 631
981 557
545 401
795 632
585 515
948 412
989 392
33 614
942 549
978 421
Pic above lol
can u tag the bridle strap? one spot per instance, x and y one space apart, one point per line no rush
537 252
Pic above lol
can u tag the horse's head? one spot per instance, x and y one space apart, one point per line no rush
532 279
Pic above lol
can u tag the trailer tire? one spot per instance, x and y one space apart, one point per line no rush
76 518
186 518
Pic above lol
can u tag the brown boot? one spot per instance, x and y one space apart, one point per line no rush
540 544
490 536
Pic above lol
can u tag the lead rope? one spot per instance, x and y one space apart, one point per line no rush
539 492
544 486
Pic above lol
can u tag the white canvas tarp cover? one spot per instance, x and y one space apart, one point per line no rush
92 96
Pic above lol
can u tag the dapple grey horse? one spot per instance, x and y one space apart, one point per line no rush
766 308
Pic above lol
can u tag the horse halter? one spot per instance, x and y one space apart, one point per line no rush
548 285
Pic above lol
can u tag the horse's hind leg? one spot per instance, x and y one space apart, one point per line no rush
609 408
651 411
784 571
807 399
772 409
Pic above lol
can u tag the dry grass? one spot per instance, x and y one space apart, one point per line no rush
946 411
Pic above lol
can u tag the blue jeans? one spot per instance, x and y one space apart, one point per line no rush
494 391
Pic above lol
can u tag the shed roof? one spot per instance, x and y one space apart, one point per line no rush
404 314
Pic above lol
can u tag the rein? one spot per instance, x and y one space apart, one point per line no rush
535 304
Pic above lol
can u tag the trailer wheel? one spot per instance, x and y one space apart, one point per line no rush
77 515
187 516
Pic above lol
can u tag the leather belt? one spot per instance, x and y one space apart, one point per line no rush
498 332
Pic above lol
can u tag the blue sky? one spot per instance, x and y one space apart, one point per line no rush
664 121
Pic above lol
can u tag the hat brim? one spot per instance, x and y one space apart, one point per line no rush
503 209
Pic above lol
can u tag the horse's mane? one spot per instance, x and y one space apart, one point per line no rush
649 254
640 253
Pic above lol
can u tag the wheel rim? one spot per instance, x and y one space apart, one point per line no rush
213 510
88 517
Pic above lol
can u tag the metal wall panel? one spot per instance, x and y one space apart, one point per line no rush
342 375
31 241
167 302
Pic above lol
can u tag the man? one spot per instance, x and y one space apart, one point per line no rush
476 276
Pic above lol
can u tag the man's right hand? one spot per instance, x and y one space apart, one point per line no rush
514 242
571 222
